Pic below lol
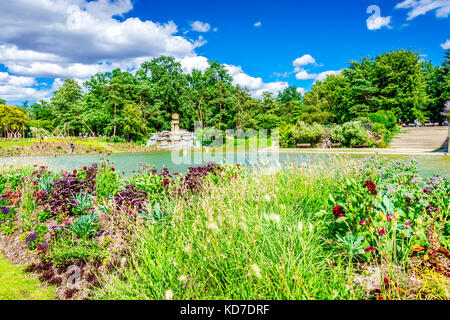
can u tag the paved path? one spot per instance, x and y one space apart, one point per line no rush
420 140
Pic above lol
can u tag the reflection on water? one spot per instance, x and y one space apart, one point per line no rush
428 164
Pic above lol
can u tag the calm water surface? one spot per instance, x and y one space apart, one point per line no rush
428 164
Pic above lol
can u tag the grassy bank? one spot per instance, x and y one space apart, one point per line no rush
61 146
16 285
342 230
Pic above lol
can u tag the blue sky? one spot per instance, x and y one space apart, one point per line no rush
266 45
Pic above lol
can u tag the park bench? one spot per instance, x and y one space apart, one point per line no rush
364 145
336 145
304 145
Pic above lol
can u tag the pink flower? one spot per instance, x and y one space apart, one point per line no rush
363 222
369 249
408 225
389 217
382 232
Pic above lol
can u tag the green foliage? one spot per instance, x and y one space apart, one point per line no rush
82 202
107 182
12 119
305 133
85 226
350 134
44 216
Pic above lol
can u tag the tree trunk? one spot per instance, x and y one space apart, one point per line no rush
115 118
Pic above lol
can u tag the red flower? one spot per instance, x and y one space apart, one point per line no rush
75 171
363 222
84 168
1 175
165 182
382 232
389 217
371 187
34 182
369 249
338 212
113 169
38 176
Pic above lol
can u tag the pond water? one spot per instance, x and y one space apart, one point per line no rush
179 161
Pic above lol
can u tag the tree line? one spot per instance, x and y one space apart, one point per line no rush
135 104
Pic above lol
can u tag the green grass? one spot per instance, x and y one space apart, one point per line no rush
16 285
254 238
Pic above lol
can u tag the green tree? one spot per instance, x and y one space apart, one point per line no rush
12 119
66 104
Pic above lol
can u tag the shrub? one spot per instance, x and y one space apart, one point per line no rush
86 226
350 134
305 133
82 202
286 131
386 118
107 182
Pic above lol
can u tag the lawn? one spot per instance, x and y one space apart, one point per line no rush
17 285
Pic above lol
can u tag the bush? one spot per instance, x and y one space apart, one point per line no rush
305 133
107 182
350 134
286 131
86 226
386 118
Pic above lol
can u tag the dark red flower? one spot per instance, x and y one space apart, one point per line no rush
382 232
371 187
38 176
165 182
84 168
75 171
369 249
338 212
113 169
363 222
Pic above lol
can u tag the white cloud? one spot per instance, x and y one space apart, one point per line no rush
78 38
304 60
301 91
304 75
200 26
190 63
376 21
255 86
446 45
422 7
13 88
323 75
257 24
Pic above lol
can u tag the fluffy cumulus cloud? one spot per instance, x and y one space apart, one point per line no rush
304 60
255 85
77 38
376 21
257 24
446 45
199 26
422 7
302 74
